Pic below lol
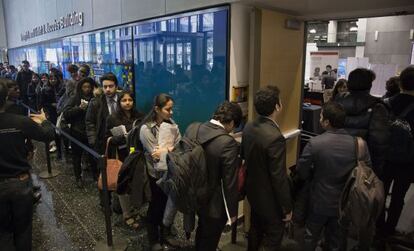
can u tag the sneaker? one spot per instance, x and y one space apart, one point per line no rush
53 149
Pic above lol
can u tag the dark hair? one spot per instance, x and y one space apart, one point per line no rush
35 74
58 74
334 113
227 112
44 74
393 85
25 62
86 67
407 78
121 114
360 79
72 68
266 100
108 76
160 101
81 82
330 66
341 82
4 90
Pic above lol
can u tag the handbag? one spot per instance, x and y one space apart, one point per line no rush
241 180
112 170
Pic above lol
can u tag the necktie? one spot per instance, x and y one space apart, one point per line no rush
112 105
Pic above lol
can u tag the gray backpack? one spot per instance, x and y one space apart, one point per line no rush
362 198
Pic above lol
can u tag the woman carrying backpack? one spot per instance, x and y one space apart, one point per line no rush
125 115
161 112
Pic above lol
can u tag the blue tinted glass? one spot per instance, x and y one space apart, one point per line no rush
190 65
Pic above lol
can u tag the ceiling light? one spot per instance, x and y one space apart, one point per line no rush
353 28
312 31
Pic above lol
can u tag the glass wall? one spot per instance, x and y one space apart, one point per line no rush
182 55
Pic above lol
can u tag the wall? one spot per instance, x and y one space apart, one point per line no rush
97 14
278 57
3 40
393 45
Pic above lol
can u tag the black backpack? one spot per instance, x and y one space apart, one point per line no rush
187 177
401 149
362 198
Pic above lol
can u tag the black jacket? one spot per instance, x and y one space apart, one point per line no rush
75 116
23 79
368 117
399 102
95 119
116 141
222 155
328 168
267 183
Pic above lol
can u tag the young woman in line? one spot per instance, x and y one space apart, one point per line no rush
161 112
74 113
126 115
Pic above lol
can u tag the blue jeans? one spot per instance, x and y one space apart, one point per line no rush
335 237
16 213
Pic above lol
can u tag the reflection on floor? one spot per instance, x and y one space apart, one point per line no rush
69 218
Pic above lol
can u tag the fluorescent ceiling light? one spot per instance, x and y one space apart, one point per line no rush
313 31
353 28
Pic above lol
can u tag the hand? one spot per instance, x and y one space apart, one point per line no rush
156 154
38 118
83 105
288 217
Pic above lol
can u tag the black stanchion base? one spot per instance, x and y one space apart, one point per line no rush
47 175
118 245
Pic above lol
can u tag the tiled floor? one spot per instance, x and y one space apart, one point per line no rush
69 218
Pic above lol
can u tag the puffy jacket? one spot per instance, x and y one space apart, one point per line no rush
368 117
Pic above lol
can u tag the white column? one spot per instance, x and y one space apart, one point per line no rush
332 30
362 31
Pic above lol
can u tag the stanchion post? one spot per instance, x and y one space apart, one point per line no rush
102 161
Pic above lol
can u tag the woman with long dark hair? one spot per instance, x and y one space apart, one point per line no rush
74 113
339 89
125 116
161 112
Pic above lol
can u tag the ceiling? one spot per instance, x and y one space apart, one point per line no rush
337 9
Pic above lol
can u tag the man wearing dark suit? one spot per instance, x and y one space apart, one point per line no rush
328 168
267 185
222 157
99 109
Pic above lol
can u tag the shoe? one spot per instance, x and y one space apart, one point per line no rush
53 149
167 239
36 197
36 188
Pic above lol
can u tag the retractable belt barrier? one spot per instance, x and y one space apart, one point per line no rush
109 245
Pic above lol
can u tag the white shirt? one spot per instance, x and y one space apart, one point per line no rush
108 102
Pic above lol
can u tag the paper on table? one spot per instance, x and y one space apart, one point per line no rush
167 135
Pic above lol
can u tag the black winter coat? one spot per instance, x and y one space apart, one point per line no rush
222 155
75 116
368 117
95 119
113 121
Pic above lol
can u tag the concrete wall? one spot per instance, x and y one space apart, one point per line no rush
27 14
393 45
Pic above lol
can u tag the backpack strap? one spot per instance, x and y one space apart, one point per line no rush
359 148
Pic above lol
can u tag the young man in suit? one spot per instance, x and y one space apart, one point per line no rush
327 161
267 185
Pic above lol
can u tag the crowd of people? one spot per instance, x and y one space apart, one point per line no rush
94 113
